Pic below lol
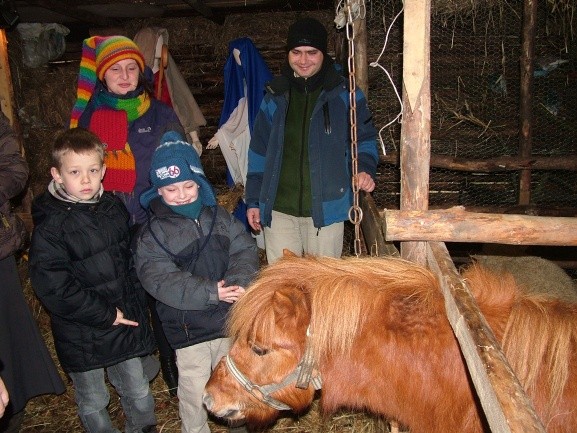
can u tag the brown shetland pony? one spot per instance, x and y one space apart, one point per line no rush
381 343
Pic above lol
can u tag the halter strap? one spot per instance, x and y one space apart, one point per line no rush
302 375
261 393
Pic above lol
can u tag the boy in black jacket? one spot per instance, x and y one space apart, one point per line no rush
80 266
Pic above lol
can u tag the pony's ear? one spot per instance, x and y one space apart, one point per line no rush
288 306
288 253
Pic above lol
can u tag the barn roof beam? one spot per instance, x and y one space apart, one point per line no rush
69 10
205 11
200 7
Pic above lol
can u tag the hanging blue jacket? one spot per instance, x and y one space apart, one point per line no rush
328 148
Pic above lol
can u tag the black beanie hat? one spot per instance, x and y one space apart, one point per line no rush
307 32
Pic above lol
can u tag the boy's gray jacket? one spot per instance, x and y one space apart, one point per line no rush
179 261
80 268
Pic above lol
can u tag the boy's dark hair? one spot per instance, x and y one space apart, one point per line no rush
77 140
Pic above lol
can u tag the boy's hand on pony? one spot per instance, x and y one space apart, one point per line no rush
229 294
120 320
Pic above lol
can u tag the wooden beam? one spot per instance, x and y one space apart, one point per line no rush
67 9
526 96
506 406
372 229
497 164
416 41
416 124
6 90
200 7
457 225
361 62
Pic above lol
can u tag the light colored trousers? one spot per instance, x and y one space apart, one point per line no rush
195 364
299 235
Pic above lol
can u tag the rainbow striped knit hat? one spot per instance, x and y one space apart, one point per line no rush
99 53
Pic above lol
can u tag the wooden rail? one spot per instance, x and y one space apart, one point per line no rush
457 225
506 406
496 164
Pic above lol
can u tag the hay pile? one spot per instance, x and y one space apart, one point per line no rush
535 274
49 414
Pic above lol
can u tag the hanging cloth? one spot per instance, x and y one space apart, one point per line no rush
252 72
181 98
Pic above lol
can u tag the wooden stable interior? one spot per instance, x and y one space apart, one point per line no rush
422 233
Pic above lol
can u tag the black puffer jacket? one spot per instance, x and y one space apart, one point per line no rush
179 262
80 269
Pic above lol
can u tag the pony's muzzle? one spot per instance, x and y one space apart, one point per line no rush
229 413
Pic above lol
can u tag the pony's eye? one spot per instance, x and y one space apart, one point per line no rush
260 351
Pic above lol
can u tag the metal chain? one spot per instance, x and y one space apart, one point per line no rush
355 212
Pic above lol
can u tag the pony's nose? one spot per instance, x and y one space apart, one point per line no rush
207 400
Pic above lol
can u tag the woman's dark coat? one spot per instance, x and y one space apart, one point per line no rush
25 363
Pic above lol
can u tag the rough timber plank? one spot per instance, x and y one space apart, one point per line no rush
506 406
457 225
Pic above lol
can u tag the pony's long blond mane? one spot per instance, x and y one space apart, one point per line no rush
339 291
340 302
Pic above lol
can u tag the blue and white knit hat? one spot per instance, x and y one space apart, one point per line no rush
173 161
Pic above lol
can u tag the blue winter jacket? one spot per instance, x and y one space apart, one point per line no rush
329 149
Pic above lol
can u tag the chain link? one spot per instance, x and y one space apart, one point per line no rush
355 212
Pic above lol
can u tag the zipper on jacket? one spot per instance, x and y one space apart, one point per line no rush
185 327
5 221
327 118
303 144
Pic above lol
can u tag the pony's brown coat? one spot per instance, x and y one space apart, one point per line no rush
383 343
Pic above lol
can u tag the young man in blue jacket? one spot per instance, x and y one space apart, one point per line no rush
299 182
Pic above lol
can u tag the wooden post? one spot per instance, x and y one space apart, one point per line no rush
6 91
416 126
361 63
526 96
7 106
372 228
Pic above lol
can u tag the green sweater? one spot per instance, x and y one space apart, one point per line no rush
294 190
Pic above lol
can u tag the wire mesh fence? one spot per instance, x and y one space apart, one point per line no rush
475 100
